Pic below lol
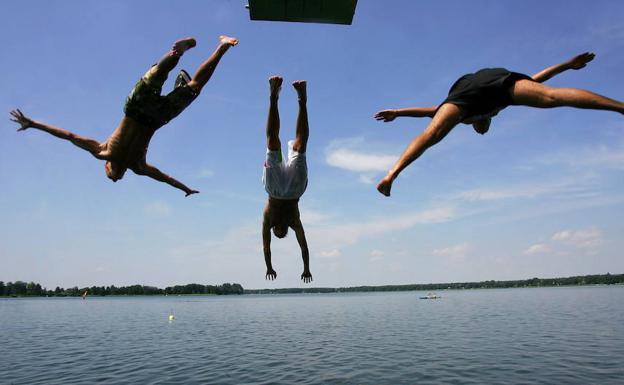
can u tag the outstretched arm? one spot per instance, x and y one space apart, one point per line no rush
93 146
414 112
306 276
154 173
266 246
576 63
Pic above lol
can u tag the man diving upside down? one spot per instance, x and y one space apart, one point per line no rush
285 181
475 98
146 110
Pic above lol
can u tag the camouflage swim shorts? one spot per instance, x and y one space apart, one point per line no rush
146 105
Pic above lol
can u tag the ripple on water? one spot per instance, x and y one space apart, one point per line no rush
540 336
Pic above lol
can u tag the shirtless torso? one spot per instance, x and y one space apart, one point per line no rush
127 145
279 215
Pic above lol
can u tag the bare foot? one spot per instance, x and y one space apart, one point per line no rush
300 87
227 40
275 82
385 186
183 45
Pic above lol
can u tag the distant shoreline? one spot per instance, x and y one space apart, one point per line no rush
583 280
31 289
343 290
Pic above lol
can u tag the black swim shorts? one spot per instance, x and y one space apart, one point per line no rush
484 92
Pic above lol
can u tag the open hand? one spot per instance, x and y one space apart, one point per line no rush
580 61
191 192
270 274
386 115
21 119
306 276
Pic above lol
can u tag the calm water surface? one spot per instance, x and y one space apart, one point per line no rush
514 336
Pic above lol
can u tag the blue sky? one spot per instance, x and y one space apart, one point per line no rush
540 195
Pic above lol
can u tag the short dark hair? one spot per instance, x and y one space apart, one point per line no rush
280 226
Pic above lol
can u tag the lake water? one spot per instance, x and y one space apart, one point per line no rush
500 336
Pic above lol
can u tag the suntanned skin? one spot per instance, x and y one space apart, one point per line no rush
524 93
281 214
127 146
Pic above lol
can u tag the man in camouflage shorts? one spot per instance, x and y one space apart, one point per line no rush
146 110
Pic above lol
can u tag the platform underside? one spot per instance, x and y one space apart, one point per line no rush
305 11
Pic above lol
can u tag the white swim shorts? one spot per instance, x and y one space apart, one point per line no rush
285 180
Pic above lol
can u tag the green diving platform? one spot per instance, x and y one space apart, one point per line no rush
303 11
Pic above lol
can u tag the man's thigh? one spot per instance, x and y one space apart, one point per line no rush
176 101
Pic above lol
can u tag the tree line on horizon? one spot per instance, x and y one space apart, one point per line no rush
599 279
32 289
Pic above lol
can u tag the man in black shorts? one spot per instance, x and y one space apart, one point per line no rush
476 98
146 110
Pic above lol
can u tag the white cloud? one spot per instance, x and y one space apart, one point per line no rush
595 156
351 160
538 248
587 239
354 154
526 191
309 216
376 255
334 253
492 194
327 241
349 233
367 179
457 251
242 239
205 173
569 242
158 209
453 256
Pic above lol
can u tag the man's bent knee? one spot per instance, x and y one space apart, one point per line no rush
154 77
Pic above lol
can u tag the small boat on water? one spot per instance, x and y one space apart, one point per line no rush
431 296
